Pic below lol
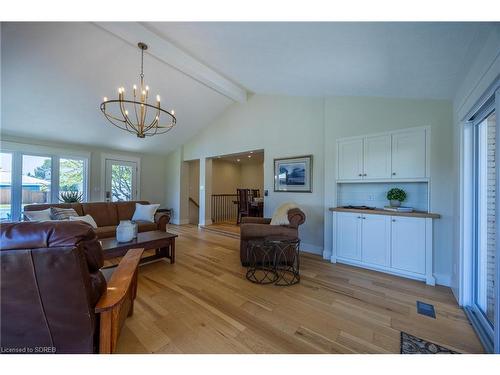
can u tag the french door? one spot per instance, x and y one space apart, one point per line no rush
121 180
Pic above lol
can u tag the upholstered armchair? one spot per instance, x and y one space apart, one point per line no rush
55 299
258 228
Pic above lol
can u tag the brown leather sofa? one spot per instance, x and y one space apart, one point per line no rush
253 228
107 215
54 297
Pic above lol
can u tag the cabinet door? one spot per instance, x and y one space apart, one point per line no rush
377 157
376 239
349 235
350 159
408 244
408 154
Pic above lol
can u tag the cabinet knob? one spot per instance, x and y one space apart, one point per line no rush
364 218
359 217
360 175
393 220
393 173
364 175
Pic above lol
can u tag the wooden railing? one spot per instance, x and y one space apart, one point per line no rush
194 202
224 208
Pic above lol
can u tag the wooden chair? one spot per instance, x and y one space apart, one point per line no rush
255 193
243 203
117 302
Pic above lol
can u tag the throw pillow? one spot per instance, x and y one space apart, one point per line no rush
42 215
62 213
280 216
86 218
145 212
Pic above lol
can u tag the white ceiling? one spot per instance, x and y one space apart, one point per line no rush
54 75
419 60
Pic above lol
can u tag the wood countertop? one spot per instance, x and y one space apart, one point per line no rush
378 211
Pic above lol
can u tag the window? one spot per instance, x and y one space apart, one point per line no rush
72 176
37 174
485 246
36 180
480 208
5 186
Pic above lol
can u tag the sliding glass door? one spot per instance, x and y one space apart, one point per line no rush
484 259
481 266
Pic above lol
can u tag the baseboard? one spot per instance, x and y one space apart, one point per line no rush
444 280
312 249
327 255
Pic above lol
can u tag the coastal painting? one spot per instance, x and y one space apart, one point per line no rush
293 174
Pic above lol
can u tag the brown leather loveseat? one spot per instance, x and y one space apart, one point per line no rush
107 215
253 228
54 298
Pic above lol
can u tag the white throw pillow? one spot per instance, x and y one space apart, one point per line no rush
42 215
87 218
145 212
280 216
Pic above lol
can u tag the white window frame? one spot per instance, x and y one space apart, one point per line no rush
19 149
124 158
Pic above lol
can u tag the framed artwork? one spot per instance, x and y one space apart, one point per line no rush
293 174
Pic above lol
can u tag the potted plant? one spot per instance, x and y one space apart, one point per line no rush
396 196
71 196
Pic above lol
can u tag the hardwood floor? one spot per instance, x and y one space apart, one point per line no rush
204 304
229 229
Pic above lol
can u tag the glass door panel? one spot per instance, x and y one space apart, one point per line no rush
72 178
5 186
121 180
485 260
36 179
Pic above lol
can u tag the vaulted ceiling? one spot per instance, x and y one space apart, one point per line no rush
54 75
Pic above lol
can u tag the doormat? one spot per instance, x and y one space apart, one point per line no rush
414 345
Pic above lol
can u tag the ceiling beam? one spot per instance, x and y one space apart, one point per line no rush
165 51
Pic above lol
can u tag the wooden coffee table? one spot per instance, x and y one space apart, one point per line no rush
162 242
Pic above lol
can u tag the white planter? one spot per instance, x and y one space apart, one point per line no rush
125 231
395 203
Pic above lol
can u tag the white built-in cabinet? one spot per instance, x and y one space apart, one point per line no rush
401 155
393 244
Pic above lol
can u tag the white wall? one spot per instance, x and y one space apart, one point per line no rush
226 177
173 167
483 72
282 126
252 176
153 171
356 116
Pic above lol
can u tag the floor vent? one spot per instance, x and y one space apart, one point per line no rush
426 309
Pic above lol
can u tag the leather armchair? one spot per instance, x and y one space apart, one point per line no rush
54 297
258 228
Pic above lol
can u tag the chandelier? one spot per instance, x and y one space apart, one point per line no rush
133 115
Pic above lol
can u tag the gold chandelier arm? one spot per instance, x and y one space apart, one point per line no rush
127 120
109 118
135 107
154 122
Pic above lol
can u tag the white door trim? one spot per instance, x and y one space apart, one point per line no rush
118 157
